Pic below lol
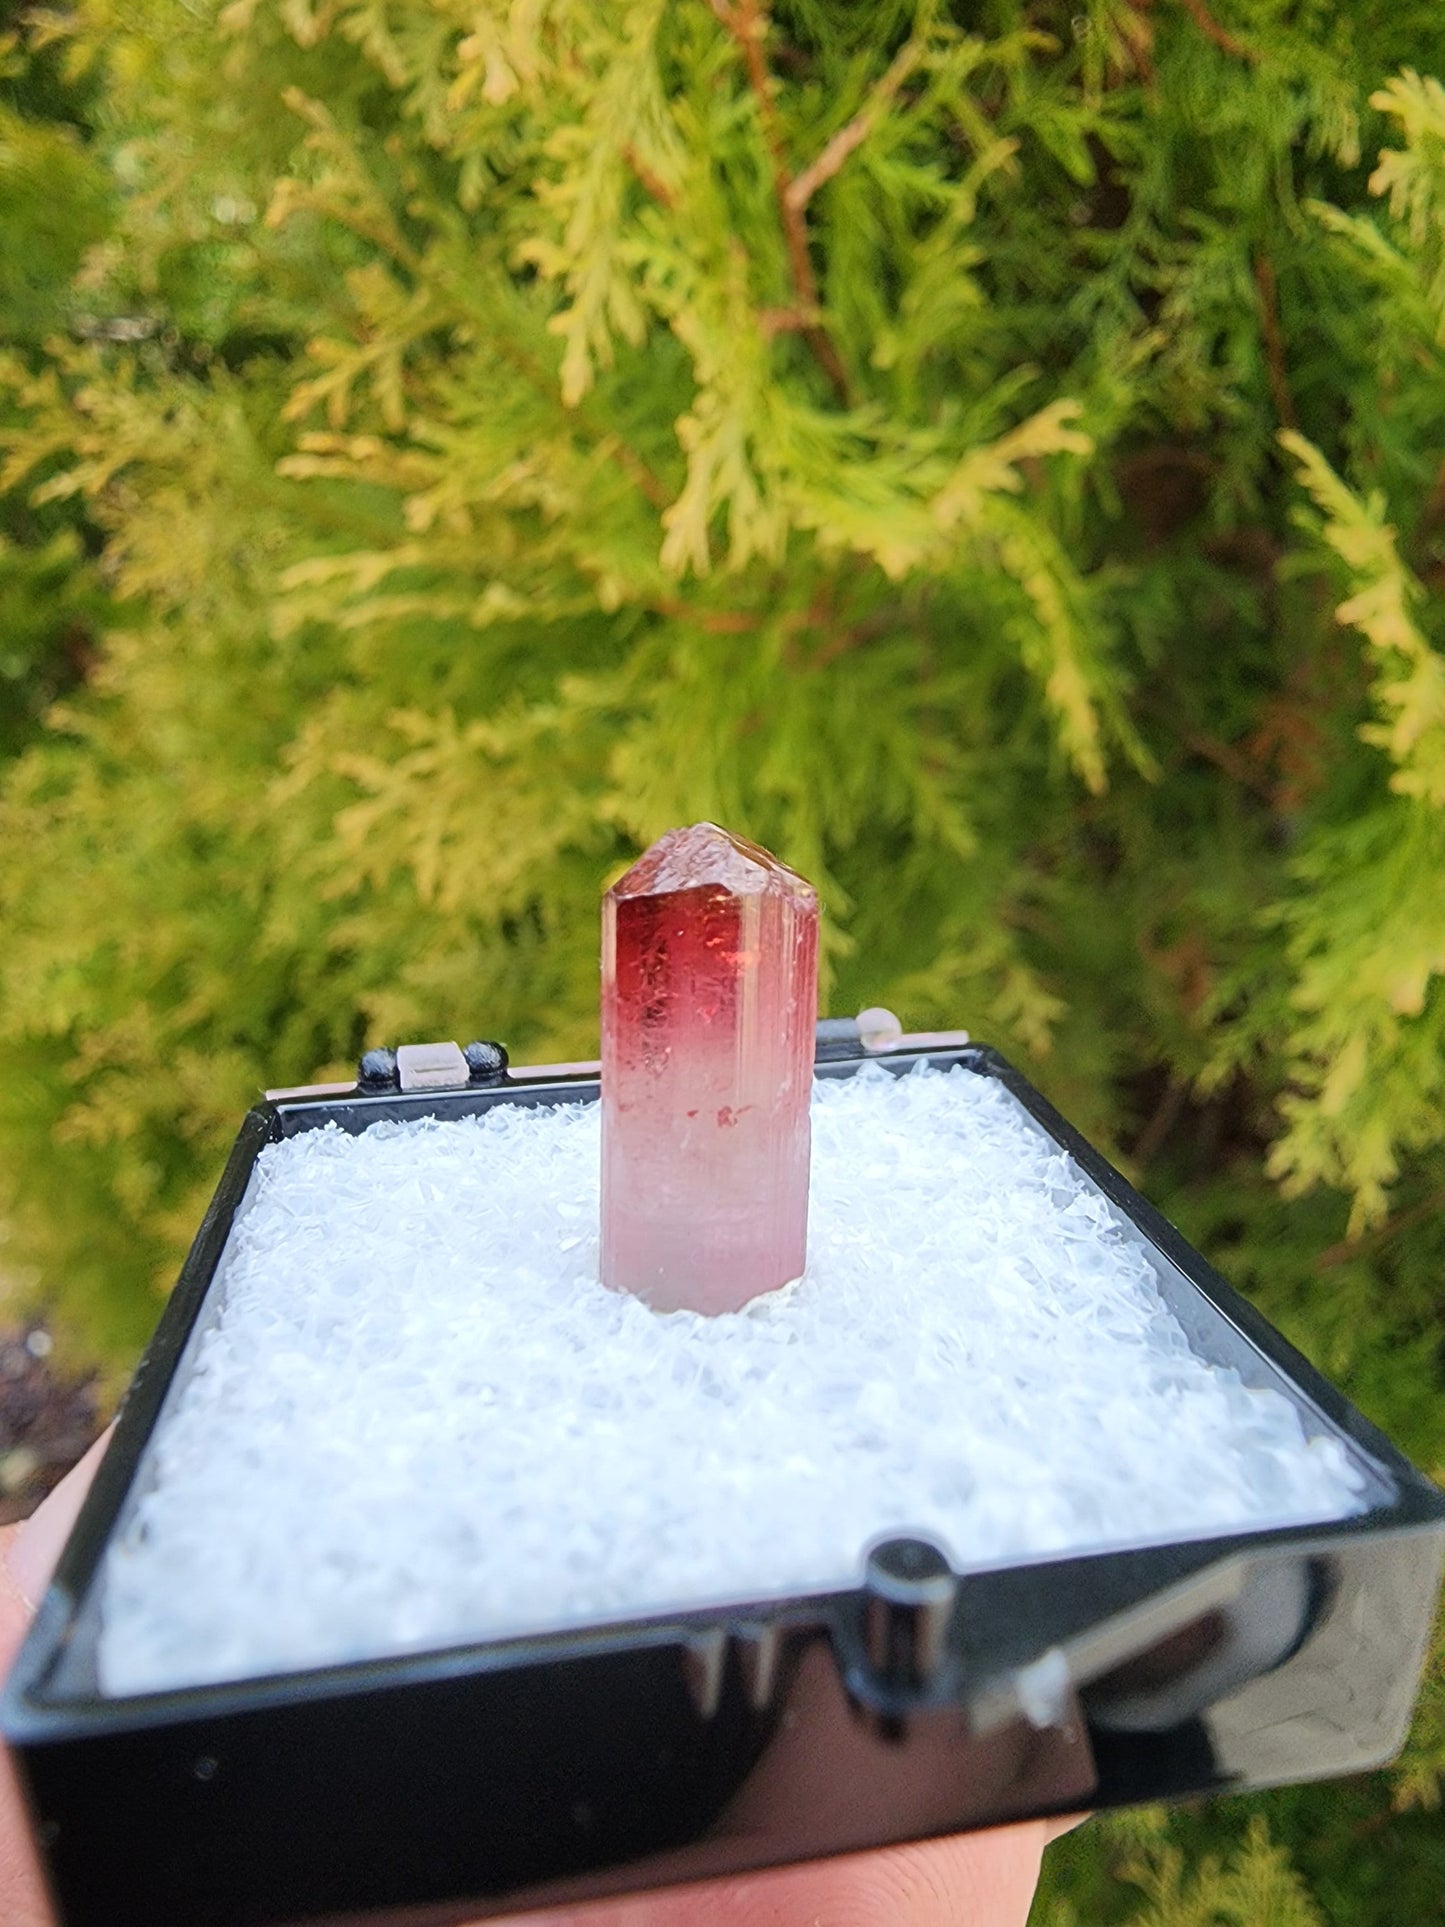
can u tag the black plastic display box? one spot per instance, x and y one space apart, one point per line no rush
439 1786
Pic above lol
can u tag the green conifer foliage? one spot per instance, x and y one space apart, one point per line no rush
54 203
990 452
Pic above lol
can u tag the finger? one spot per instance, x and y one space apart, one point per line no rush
36 1547
27 1559
22 1892
1063 1823
971 1880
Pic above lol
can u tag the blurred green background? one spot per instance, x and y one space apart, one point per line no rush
991 453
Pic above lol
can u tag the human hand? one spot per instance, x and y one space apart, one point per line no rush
970 1880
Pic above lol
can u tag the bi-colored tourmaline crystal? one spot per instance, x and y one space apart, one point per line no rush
709 997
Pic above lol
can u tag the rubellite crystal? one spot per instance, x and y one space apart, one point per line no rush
709 998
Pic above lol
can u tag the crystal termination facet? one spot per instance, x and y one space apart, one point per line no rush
709 998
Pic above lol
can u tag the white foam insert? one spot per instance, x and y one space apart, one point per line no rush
419 1418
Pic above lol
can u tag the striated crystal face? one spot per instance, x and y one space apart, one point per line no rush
709 997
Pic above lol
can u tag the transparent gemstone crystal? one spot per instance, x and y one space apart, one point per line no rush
709 997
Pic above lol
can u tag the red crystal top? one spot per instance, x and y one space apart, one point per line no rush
704 854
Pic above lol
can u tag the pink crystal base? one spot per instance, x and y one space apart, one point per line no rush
709 997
